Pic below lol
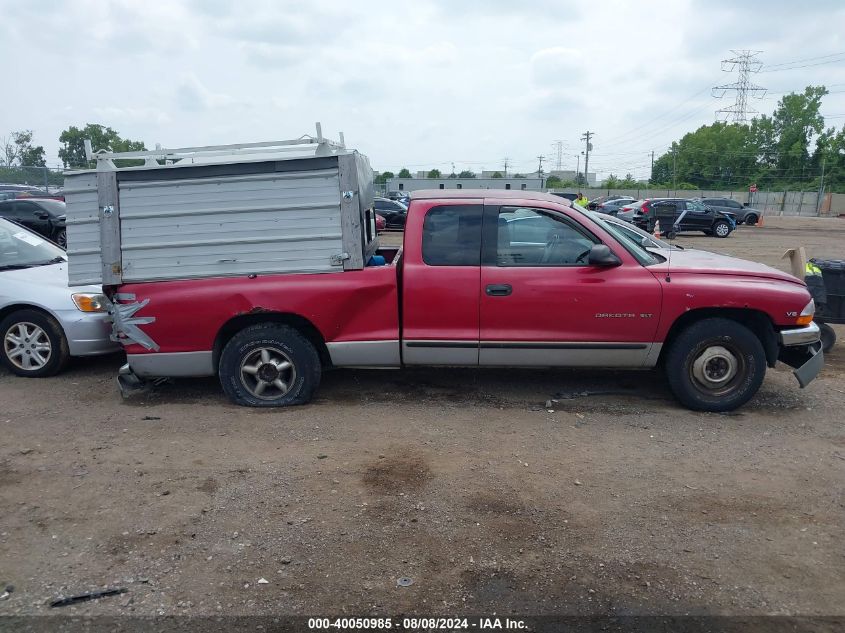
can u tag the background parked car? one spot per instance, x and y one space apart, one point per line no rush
42 215
595 202
394 213
42 321
698 217
12 192
565 194
612 207
381 223
744 214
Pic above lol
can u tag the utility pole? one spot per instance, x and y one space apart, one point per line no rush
821 190
651 175
586 137
674 171
540 166
747 64
506 166
558 145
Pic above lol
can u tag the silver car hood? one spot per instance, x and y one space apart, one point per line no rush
52 275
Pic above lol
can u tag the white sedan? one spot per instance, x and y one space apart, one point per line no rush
43 322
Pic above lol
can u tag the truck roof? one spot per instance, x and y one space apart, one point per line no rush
516 194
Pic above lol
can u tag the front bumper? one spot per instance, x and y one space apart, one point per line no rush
88 334
800 336
801 349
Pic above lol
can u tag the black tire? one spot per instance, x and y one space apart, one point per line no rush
828 336
750 219
61 238
671 235
709 339
282 344
721 229
44 331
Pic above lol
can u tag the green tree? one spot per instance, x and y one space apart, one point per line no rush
830 152
18 150
518 176
497 174
404 173
554 182
611 182
72 150
466 174
433 173
383 177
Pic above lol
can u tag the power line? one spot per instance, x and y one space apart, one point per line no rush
615 140
800 61
747 63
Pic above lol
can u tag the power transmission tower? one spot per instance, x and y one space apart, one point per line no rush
558 145
747 63
586 138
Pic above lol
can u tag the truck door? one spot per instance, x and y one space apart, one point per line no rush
542 304
440 283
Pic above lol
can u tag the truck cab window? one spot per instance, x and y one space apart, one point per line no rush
527 237
452 236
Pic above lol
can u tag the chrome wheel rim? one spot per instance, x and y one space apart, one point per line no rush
27 346
267 373
61 239
715 369
722 230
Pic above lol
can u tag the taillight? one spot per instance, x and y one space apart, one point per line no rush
645 208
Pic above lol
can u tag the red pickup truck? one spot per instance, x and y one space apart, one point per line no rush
484 278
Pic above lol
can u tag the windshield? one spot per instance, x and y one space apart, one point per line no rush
645 257
21 248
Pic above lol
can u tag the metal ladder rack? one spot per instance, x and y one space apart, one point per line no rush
305 145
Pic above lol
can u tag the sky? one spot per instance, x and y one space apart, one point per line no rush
421 85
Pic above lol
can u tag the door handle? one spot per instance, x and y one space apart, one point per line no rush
498 290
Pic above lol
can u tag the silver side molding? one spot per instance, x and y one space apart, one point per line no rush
172 364
364 353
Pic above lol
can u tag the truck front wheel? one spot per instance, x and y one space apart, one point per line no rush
715 365
269 365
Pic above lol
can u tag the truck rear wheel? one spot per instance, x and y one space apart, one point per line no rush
715 365
269 365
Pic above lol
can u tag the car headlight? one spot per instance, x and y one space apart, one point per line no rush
90 302
806 316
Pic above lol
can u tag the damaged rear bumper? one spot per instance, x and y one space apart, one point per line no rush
801 349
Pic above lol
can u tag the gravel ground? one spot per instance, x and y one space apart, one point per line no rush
612 500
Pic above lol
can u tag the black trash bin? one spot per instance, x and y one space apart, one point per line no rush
833 274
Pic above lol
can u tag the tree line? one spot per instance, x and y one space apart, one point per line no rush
791 149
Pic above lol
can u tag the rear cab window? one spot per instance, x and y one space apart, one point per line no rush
452 235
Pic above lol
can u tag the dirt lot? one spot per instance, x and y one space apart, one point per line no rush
616 501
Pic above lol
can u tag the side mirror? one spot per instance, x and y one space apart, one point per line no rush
601 255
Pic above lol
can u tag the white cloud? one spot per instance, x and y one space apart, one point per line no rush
420 84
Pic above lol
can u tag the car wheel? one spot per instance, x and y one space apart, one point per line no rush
828 336
61 238
715 365
34 344
751 219
269 365
721 229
